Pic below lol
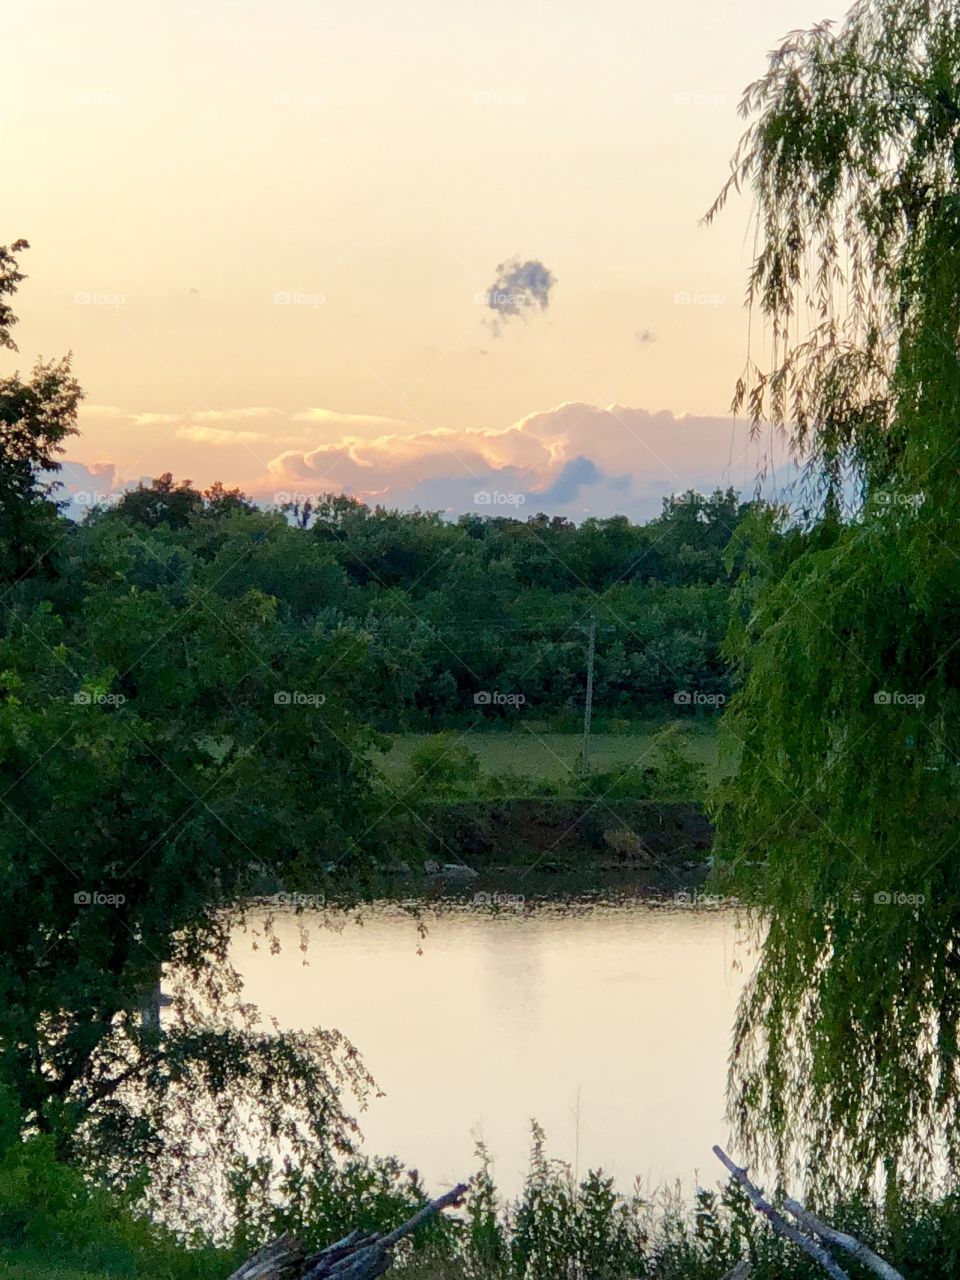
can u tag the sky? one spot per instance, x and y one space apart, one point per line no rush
270 232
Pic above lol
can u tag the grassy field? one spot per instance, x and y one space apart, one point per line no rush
24 1267
555 756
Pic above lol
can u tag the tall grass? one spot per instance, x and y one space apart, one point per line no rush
55 1226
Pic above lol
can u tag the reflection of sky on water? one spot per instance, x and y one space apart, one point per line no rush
610 1025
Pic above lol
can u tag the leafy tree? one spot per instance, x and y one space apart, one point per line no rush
162 502
149 771
164 742
36 417
10 278
846 1044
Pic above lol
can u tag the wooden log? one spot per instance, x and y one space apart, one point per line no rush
778 1222
357 1256
446 1201
281 1259
853 1246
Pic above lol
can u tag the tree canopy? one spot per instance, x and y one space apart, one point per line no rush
842 823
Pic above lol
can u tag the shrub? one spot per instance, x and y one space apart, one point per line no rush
445 765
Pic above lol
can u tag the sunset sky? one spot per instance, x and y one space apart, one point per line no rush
267 229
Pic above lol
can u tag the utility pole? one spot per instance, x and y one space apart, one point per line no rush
588 704
151 1002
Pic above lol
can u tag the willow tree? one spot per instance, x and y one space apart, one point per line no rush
843 821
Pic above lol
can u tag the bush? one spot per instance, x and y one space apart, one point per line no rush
49 1211
444 765
677 777
633 782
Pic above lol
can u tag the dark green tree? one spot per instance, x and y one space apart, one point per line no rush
846 1046
36 417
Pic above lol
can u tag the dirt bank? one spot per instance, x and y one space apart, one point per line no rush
610 839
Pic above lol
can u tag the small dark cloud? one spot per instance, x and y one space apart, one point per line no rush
646 335
519 286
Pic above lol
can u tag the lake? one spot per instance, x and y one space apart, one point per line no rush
608 1023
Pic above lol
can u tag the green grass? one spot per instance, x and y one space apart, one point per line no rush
26 1267
37 1264
29 1265
555 756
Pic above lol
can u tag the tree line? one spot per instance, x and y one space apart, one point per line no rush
443 612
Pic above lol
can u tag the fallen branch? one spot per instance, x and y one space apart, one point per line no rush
279 1260
778 1222
852 1245
358 1256
814 1228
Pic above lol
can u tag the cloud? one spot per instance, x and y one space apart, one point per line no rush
573 459
519 286
328 417
85 485
165 419
228 415
222 436
102 411
577 474
155 419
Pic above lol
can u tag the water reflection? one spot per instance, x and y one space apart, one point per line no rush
608 1022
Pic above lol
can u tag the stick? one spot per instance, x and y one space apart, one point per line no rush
448 1198
779 1223
852 1245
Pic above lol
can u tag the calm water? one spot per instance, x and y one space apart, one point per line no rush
608 1024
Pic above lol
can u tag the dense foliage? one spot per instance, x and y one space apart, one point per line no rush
843 818
151 763
55 1226
448 610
